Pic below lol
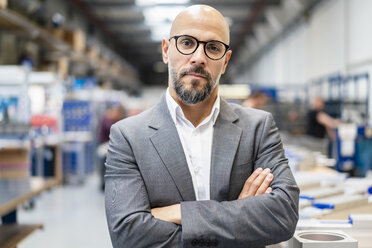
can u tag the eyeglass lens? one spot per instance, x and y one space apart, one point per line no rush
188 45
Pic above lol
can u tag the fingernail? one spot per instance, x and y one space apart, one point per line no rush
270 176
267 170
259 169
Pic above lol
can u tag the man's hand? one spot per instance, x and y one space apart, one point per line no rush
257 184
169 213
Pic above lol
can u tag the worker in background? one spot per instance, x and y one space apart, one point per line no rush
256 100
195 170
319 123
112 115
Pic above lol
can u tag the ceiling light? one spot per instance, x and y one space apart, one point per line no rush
155 2
160 18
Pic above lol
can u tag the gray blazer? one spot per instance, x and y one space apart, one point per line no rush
146 168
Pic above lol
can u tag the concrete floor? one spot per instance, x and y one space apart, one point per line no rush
73 216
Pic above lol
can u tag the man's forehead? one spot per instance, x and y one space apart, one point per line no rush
200 18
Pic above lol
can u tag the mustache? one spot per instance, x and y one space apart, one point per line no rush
199 70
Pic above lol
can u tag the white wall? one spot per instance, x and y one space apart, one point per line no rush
336 38
359 49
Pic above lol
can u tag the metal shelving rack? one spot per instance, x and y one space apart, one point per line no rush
348 98
342 91
14 83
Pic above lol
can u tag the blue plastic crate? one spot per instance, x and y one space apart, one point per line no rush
77 115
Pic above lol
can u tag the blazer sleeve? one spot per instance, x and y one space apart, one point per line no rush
253 221
127 206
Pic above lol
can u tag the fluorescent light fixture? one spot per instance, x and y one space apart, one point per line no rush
160 32
154 2
160 18
37 97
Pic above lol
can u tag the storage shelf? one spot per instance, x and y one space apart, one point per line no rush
11 19
36 186
58 48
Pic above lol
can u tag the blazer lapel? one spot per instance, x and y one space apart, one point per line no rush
169 148
226 138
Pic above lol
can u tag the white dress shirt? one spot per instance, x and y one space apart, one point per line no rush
197 144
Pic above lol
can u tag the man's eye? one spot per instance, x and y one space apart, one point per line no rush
215 48
187 43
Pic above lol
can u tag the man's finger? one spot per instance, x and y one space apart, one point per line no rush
265 184
269 190
248 182
256 184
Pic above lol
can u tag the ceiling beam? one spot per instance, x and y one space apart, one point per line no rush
117 21
140 21
250 21
92 18
101 26
214 3
133 37
108 3
234 3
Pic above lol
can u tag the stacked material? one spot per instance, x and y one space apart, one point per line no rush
14 162
330 201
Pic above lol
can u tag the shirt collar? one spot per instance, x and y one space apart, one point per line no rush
176 111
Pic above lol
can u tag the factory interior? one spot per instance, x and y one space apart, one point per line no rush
70 69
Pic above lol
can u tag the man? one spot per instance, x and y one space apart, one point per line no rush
319 122
113 114
256 100
190 171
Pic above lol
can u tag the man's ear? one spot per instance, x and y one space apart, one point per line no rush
227 59
164 50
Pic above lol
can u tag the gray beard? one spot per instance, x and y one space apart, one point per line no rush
193 95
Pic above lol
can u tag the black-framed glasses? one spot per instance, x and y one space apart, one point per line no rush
187 44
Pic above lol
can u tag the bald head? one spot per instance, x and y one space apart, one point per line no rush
201 16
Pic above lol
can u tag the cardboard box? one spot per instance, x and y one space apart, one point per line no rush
104 63
3 4
93 52
76 38
8 49
14 156
59 33
14 163
62 67
116 68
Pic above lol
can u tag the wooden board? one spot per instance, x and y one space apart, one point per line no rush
14 156
6 174
12 234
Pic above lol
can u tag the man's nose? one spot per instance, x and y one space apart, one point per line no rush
199 57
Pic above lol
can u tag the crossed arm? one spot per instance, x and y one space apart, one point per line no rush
246 221
257 184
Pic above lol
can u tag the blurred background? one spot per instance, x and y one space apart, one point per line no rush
70 69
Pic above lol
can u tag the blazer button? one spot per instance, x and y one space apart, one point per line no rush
202 242
215 242
194 242
208 243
